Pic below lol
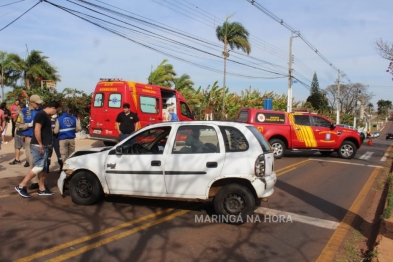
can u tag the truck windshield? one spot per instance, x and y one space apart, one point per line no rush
261 139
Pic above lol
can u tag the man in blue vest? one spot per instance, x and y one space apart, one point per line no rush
66 127
26 125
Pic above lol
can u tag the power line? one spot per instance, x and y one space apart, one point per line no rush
12 3
296 32
19 16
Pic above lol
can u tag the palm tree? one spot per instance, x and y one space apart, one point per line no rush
183 83
10 70
163 75
233 35
37 68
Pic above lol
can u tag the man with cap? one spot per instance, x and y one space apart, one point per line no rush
66 127
26 126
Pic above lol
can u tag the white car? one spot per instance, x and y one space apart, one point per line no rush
229 163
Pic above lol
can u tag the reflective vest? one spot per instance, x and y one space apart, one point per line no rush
174 117
28 117
67 126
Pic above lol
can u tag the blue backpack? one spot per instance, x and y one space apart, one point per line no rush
174 117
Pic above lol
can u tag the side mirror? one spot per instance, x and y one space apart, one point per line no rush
192 115
332 126
119 150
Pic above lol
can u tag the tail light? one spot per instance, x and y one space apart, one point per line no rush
260 166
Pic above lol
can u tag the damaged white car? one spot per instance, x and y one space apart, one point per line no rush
228 163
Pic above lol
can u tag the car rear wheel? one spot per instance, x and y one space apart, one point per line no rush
235 203
278 147
85 188
347 150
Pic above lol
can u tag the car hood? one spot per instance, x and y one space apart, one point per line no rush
87 151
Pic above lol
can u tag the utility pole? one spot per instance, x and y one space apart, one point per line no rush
338 99
289 101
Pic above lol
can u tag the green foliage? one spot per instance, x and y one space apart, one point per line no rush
384 106
234 35
78 101
318 101
388 211
314 85
183 82
163 75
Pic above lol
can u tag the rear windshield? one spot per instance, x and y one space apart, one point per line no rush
243 116
261 139
98 100
272 118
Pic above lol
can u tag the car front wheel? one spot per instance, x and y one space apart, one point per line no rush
347 150
235 203
278 147
85 188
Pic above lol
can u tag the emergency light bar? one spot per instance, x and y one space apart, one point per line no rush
110 79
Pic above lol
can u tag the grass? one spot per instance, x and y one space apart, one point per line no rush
387 213
351 251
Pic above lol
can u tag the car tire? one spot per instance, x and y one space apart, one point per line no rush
347 150
235 203
326 153
278 147
85 189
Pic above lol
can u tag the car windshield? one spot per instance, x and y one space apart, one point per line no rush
261 139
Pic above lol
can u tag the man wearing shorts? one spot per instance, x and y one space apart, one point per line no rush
18 144
41 140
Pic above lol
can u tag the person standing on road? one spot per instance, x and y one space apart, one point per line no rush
18 141
66 127
15 108
55 146
7 116
126 122
41 140
173 115
26 126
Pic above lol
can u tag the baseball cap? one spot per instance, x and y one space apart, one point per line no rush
36 99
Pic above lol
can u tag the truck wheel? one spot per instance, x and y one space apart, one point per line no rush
278 147
347 150
235 203
85 188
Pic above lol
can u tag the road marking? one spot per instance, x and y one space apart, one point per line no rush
89 237
293 165
299 218
286 171
116 237
347 163
4 196
329 251
385 156
366 155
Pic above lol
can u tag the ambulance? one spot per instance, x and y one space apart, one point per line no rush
148 101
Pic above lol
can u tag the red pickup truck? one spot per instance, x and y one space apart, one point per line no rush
302 131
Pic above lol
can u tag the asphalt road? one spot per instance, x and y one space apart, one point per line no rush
316 201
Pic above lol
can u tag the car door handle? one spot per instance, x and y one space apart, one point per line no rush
211 164
107 120
155 163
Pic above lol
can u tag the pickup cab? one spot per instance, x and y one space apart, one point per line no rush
302 131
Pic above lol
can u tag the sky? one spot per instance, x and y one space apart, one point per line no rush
344 32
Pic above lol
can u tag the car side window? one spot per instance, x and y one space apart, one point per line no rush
185 111
151 141
234 140
319 121
302 120
196 140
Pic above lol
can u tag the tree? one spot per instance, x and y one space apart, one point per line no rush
163 75
384 106
385 50
314 85
233 35
370 105
183 83
9 72
36 68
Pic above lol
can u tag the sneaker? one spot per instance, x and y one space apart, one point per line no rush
26 164
33 186
45 192
22 191
15 162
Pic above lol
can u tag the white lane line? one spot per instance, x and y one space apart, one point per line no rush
299 218
385 156
340 162
366 155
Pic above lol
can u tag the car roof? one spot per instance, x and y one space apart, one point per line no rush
193 123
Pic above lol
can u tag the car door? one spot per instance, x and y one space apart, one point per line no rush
302 133
325 136
194 161
136 166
